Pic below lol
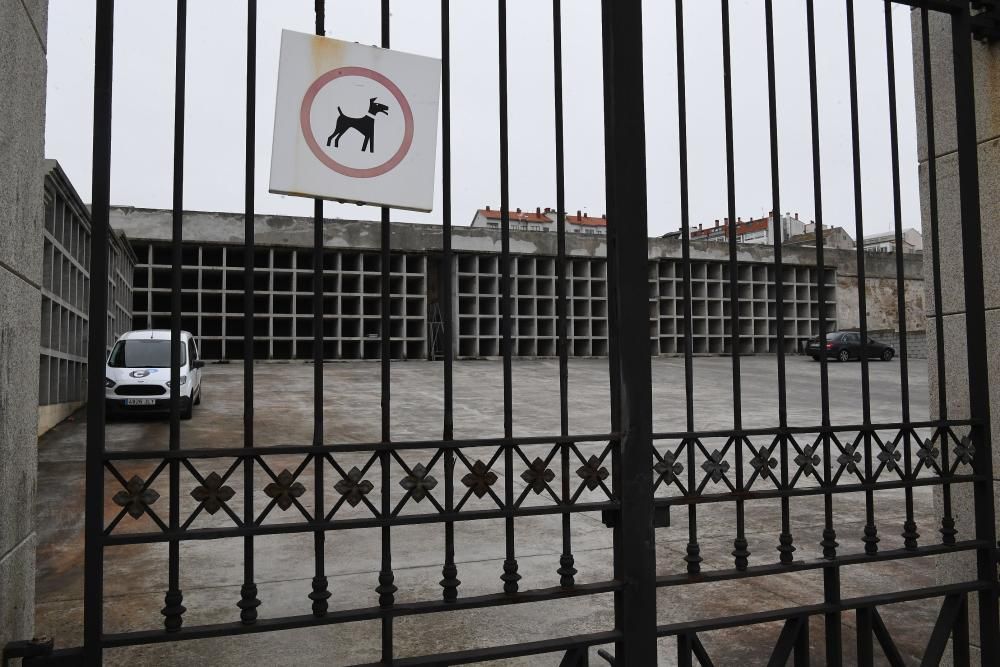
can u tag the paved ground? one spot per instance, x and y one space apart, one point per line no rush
212 571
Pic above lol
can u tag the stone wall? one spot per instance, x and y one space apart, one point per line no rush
916 341
22 142
986 78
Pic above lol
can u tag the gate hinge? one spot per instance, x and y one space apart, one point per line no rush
40 652
986 20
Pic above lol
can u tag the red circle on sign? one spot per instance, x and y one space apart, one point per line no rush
306 122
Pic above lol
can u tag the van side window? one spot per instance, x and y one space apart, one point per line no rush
192 350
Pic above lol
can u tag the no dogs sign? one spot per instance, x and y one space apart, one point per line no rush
355 123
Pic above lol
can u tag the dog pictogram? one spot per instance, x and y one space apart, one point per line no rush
365 125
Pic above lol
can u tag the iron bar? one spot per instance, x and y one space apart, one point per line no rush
320 584
848 604
249 602
614 376
386 587
693 556
369 446
740 551
624 131
785 547
566 569
510 577
831 575
377 521
865 637
910 534
848 560
449 572
207 631
93 563
173 609
870 537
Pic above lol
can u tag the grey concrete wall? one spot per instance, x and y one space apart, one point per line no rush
215 227
986 77
22 142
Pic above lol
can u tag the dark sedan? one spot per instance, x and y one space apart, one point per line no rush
846 345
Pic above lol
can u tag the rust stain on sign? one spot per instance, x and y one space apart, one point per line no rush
326 54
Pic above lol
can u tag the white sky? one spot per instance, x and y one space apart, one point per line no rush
215 116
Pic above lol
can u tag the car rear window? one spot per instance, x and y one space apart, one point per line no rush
143 354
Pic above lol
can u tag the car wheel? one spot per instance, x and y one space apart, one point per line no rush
186 413
887 355
844 355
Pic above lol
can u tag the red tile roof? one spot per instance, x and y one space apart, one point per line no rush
747 227
587 220
518 216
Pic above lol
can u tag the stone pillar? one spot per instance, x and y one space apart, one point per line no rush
986 77
23 26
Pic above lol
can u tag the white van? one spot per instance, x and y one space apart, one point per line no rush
137 375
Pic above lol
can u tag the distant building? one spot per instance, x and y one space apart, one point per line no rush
913 241
541 220
759 230
65 288
833 237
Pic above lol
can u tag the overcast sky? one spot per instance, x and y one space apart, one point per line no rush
215 117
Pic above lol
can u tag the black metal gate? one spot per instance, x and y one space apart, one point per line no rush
647 473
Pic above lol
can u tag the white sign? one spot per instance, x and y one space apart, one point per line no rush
355 123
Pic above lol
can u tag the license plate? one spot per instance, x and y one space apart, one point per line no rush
140 401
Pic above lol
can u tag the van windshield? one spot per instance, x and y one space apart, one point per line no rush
143 354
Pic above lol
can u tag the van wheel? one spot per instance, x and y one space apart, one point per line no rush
187 412
197 401
844 355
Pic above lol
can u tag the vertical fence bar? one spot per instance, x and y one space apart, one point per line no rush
510 576
619 545
385 342
865 637
450 581
910 534
831 575
625 140
960 635
870 537
947 529
93 581
173 610
693 556
740 551
320 585
785 547
975 328
566 569
248 591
